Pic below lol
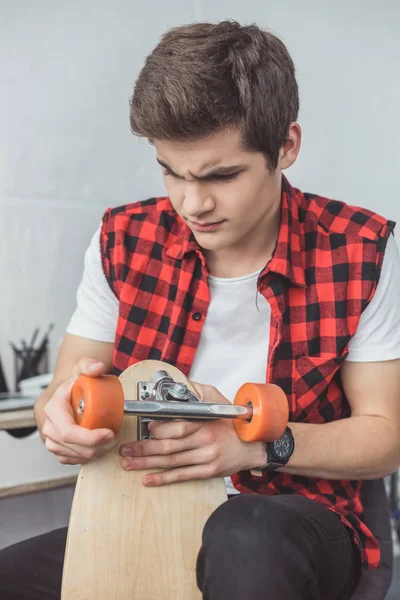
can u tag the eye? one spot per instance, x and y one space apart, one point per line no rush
168 173
225 177
218 178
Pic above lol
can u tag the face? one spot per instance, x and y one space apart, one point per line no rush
224 193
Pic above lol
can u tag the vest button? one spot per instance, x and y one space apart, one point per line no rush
196 316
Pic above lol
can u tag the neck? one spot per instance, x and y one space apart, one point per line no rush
251 254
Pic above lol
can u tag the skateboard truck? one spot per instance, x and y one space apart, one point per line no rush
259 413
162 397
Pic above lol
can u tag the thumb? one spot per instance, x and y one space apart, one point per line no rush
209 393
88 366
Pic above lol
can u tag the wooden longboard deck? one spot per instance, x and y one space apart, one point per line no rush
129 542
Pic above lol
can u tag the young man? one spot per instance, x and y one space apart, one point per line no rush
237 276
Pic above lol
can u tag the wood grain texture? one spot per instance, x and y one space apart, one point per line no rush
129 542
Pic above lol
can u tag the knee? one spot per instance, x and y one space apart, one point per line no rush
250 522
10 572
40 559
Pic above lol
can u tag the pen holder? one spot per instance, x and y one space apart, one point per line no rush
30 364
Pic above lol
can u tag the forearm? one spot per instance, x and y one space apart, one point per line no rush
360 447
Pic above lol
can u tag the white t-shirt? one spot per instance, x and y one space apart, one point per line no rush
377 337
234 341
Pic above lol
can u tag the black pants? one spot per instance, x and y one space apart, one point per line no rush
254 547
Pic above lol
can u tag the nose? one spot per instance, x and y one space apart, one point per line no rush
197 200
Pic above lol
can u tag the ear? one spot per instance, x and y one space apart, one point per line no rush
290 149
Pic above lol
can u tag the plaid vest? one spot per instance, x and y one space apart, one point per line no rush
322 275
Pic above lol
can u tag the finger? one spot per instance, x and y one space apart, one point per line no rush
74 435
54 445
209 393
88 366
59 449
62 393
59 408
157 447
64 455
60 414
79 436
170 461
68 460
173 429
179 475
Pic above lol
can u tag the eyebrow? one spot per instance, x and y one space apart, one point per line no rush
219 171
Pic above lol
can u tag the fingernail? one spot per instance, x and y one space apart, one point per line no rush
148 481
124 463
94 367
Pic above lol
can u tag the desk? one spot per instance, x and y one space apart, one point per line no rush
16 419
37 486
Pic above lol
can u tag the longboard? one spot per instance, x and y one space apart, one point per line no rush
131 542
126 541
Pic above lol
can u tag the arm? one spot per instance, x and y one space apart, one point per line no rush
73 349
94 319
364 446
367 445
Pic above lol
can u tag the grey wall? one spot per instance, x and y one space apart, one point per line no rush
66 151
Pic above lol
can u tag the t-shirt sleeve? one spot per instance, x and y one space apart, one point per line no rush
96 313
377 337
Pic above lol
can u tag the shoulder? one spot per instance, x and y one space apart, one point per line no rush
152 212
136 225
337 218
344 243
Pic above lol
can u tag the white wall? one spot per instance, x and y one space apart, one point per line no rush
66 151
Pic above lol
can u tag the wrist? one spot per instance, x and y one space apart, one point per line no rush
271 456
256 455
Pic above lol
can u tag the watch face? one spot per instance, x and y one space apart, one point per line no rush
284 446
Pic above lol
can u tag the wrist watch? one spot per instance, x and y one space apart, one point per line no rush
279 451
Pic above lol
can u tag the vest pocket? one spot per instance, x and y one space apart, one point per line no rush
312 378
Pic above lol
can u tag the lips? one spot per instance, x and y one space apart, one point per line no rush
206 226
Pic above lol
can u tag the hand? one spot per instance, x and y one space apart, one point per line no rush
192 450
70 443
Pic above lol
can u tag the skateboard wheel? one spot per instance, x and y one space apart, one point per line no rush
98 402
270 412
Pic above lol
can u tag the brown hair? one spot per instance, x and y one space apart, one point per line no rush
204 76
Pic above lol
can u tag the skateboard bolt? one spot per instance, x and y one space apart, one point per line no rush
179 391
81 406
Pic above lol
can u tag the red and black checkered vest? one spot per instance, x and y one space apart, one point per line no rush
322 275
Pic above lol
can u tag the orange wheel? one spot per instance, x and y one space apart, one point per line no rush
98 402
270 412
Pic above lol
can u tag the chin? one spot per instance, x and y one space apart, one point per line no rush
211 245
